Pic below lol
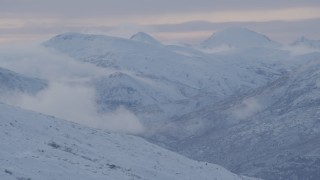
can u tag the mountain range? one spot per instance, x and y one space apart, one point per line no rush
238 99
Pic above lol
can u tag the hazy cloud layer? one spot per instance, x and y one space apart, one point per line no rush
282 31
39 19
189 32
122 8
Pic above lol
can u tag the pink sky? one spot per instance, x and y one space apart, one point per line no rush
30 20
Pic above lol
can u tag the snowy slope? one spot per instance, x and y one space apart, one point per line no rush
11 82
36 146
133 91
271 132
238 38
307 43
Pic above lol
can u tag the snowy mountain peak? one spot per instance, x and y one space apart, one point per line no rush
306 42
238 38
145 38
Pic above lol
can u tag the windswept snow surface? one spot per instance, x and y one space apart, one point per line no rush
36 146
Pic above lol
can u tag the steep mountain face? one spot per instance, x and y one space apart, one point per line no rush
307 43
133 91
145 38
238 38
35 146
11 82
271 132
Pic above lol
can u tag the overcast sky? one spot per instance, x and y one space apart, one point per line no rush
188 21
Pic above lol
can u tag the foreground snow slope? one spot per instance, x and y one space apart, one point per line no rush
36 146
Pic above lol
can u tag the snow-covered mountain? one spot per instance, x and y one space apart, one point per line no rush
192 71
307 43
252 108
158 83
184 96
11 82
145 38
238 38
36 146
270 132
125 54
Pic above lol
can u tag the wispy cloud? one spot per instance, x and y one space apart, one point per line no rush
75 102
69 95
247 108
